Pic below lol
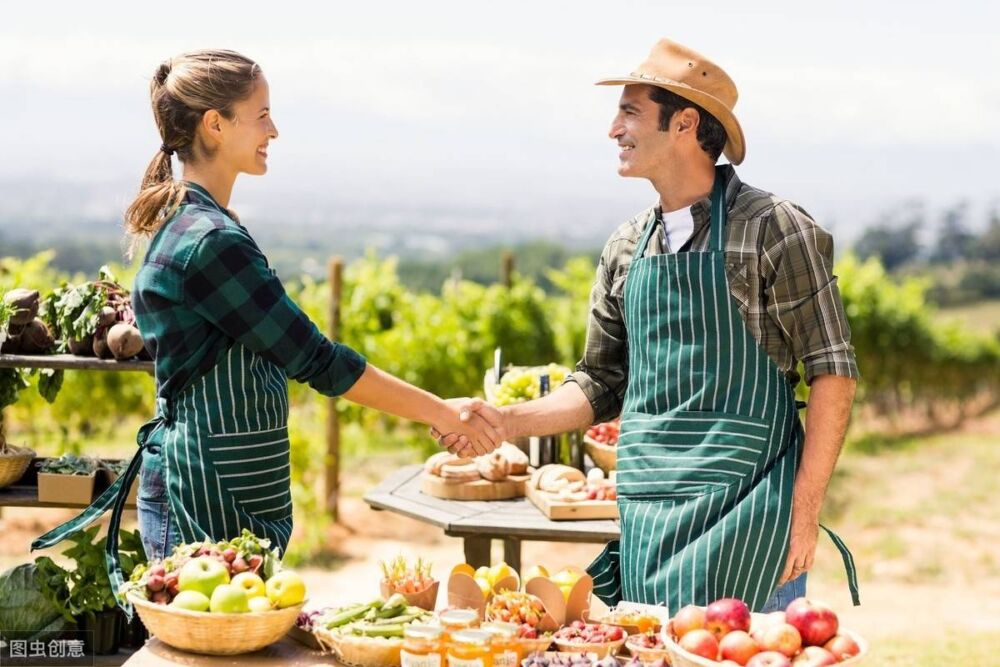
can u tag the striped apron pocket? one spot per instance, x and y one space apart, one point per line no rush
254 469
687 454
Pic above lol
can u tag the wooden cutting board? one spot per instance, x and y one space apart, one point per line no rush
560 510
512 487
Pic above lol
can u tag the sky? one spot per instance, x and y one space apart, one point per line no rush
849 108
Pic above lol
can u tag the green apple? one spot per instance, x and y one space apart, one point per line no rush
202 574
285 589
251 583
260 603
229 599
191 600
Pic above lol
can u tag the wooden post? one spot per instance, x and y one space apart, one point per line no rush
507 268
332 482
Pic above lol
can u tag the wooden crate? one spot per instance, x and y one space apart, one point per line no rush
560 510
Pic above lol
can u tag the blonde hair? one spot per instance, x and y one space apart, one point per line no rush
182 90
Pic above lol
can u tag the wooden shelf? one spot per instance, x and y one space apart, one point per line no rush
72 362
26 495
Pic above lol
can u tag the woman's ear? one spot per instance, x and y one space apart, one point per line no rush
211 126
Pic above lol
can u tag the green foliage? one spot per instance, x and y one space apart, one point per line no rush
68 464
90 588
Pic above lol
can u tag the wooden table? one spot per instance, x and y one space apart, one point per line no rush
479 522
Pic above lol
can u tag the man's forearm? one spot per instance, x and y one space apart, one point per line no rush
565 409
826 425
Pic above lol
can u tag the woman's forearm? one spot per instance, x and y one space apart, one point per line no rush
382 391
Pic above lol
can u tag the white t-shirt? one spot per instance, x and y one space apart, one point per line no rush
677 228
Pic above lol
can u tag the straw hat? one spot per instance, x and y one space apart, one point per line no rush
694 77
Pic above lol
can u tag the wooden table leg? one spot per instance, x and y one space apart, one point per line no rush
477 551
512 552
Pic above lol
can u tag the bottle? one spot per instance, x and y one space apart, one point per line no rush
470 648
422 646
546 443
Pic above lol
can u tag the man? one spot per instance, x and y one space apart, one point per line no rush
703 306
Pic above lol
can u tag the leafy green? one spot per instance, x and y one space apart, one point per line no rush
90 589
33 600
68 464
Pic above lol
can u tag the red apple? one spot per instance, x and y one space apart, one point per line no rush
701 642
727 615
814 620
783 638
842 647
691 617
769 659
738 646
814 656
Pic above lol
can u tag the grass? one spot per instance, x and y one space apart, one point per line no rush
953 649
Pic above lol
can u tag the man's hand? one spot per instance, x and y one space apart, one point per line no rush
468 433
471 411
802 542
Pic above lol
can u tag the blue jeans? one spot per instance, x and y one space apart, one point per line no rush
796 588
158 530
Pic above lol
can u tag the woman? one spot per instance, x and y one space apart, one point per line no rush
223 333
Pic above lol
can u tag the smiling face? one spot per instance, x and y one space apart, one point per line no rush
645 149
245 137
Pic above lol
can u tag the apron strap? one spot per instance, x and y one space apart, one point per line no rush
113 498
852 573
718 220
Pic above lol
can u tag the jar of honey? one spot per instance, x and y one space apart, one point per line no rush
505 648
454 620
470 648
422 646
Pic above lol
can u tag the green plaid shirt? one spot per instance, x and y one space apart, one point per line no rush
780 268
204 284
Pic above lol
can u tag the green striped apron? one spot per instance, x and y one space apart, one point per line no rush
709 445
224 446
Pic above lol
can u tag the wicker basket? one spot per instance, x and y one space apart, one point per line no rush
14 463
647 655
681 658
361 651
215 634
602 650
604 456
540 645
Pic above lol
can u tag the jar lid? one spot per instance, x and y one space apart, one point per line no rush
422 632
459 616
478 637
501 628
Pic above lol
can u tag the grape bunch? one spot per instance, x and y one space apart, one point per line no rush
520 385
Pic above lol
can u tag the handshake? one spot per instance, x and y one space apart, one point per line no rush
470 427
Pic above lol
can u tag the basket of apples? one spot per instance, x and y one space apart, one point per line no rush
598 638
600 442
806 634
221 598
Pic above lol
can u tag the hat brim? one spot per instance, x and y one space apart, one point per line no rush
735 149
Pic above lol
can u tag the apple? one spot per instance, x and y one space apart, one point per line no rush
814 656
285 589
484 585
815 621
202 574
691 617
239 565
701 642
191 600
500 571
738 646
769 659
260 603
727 615
534 572
156 583
783 638
251 583
842 647
229 599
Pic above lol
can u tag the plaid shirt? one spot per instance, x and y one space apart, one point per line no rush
780 268
204 284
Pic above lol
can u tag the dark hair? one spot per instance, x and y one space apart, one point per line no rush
711 135
182 90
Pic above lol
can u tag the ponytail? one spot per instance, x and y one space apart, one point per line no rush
158 199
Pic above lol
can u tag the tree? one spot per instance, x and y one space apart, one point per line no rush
955 241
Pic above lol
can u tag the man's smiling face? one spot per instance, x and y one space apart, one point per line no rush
636 128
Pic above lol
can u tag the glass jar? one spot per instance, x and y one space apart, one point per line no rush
454 620
470 648
422 646
505 648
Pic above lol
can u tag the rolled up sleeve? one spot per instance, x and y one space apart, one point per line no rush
802 294
229 283
602 373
